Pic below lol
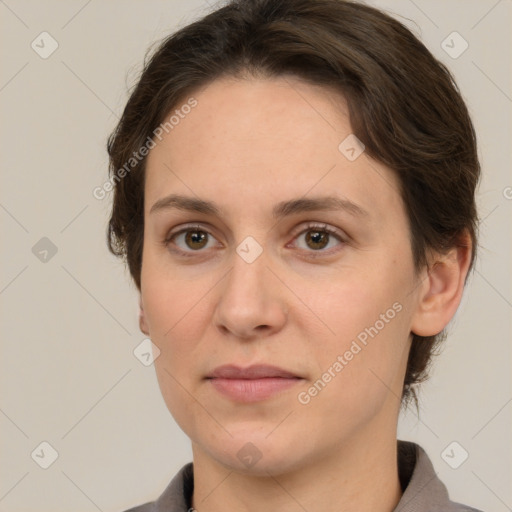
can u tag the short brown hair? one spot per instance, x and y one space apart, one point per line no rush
404 106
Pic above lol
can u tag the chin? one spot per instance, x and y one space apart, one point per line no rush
268 465
257 454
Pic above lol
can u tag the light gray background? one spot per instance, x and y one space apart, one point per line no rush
69 325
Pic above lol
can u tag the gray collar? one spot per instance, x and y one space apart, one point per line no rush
423 491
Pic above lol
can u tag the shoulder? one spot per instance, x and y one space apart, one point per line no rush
423 491
176 497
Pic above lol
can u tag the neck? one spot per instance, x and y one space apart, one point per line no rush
359 476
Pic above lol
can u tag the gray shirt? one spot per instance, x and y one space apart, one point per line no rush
422 489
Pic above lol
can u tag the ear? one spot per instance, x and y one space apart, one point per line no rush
441 289
143 326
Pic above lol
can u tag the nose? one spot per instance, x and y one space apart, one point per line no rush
251 301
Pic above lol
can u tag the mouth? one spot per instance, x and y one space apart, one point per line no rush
253 384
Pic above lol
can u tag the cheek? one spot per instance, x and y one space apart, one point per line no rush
170 301
355 301
176 321
365 331
175 314
173 311
358 374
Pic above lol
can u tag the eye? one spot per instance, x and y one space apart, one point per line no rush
319 238
189 240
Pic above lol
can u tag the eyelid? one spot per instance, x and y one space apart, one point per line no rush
186 227
321 226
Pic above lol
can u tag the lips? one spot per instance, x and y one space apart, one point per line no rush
252 384
252 372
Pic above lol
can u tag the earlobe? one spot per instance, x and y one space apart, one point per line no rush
441 292
143 326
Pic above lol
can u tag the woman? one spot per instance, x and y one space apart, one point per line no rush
294 187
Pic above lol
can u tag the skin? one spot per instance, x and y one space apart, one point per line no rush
247 145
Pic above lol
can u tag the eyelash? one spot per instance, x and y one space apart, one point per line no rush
309 227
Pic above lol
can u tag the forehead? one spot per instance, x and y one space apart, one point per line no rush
250 143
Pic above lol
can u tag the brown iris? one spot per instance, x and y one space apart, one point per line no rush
319 239
196 237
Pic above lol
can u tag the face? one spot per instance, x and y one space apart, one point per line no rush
277 277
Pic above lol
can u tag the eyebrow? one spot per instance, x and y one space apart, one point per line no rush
280 210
